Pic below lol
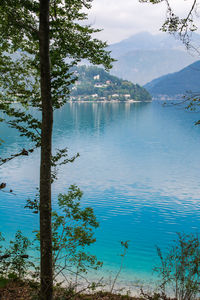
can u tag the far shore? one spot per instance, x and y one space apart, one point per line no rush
94 101
107 101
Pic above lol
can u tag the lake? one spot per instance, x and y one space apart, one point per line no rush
138 168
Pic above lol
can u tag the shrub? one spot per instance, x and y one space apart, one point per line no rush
179 269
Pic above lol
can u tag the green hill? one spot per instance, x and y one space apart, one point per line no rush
176 84
96 84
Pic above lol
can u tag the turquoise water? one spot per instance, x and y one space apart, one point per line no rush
138 168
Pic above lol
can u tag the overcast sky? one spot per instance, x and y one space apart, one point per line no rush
123 18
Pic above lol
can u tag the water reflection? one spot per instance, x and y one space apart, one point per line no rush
80 117
139 169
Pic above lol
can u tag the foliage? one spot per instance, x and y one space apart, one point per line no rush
71 41
59 159
39 43
35 203
179 269
72 233
14 263
154 296
2 239
88 85
183 27
180 25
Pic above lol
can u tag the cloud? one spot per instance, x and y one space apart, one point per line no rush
121 19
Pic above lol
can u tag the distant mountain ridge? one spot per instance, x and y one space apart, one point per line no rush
144 56
176 84
145 41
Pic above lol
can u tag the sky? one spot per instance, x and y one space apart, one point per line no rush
122 18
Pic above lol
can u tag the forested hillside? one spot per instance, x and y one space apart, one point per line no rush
176 84
96 84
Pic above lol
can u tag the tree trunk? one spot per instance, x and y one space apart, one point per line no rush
46 273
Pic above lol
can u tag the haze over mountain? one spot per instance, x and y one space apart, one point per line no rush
144 56
176 84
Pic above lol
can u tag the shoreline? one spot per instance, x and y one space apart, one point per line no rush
110 281
108 101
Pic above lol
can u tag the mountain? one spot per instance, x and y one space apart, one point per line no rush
145 41
176 84
142 66
96 84
144 56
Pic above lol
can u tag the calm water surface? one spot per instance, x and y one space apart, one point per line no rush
138 168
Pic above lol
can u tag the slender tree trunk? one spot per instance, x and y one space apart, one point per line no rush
46 275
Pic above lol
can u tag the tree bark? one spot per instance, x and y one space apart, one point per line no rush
46 273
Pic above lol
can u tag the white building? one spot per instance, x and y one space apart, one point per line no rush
97 77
